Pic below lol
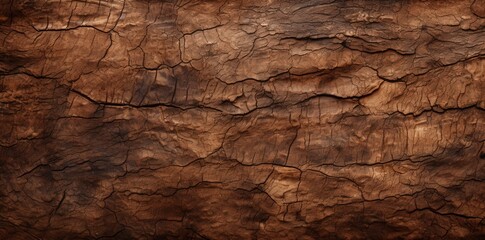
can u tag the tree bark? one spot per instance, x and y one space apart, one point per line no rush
258 119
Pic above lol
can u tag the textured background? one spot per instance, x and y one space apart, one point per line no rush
242 119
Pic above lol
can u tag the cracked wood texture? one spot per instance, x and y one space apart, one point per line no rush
144 119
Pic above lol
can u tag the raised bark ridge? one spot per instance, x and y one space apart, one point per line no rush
242 119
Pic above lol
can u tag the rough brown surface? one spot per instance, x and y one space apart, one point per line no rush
242 119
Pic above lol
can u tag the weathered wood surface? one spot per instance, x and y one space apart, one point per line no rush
242 119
